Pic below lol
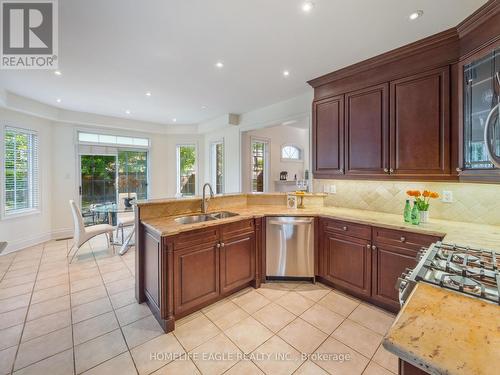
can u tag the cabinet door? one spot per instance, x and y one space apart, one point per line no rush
347 262
367 131
389 262
237 262
328 136
196 277
420 124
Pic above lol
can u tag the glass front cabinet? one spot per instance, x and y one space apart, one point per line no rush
481 98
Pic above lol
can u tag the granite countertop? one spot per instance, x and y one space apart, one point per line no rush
444 332
476 235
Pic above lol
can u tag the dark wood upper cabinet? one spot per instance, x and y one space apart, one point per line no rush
420 124
367 131
428 137
328 135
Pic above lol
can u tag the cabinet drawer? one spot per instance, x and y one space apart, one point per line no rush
237 229
196 237
401 238
347 228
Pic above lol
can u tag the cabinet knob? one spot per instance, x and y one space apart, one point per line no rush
403 238
341 170
368 245
459 170
391 170
386 170
374 247
222 244
217 246
344 228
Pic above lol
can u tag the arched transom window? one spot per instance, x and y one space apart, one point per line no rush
291 152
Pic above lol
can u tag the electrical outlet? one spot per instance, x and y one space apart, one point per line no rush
333 189
447 196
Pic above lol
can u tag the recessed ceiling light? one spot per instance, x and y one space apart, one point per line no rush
203 107
219 64
128 112
174 120
307 6
286 73
148 93
416 15
57 73
58 100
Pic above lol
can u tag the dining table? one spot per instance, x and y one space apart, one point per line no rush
112 210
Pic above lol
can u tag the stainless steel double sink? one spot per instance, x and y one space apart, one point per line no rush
192 219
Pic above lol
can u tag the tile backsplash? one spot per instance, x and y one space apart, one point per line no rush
475 203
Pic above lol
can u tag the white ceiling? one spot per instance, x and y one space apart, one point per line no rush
112 52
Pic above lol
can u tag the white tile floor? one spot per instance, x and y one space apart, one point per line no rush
60 318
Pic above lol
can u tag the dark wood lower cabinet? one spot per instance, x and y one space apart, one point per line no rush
196 277
389 262
347 263
367 261
237 263
406 368
180 274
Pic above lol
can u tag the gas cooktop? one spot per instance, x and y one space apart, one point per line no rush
468 270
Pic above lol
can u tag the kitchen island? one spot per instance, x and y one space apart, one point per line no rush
181 268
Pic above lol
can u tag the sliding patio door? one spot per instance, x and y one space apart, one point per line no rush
98 180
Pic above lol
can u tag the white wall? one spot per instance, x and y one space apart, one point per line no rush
24 231
277 136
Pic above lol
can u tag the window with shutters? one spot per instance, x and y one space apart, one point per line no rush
21 189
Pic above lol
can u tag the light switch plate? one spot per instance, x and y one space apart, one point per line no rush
333 189
447 196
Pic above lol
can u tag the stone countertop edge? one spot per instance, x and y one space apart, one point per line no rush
485 236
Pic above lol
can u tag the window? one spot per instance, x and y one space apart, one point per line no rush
259 165
112 139
21 171
186 170
291 152
217 166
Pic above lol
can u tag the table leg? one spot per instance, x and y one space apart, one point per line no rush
126 242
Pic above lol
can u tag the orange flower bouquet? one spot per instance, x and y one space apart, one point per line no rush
422 201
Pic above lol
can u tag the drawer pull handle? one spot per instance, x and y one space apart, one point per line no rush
403 239
344 228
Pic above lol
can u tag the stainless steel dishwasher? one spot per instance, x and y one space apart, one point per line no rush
290 248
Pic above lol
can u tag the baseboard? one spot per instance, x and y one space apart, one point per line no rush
36 240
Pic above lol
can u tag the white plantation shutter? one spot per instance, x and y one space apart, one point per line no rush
21 171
